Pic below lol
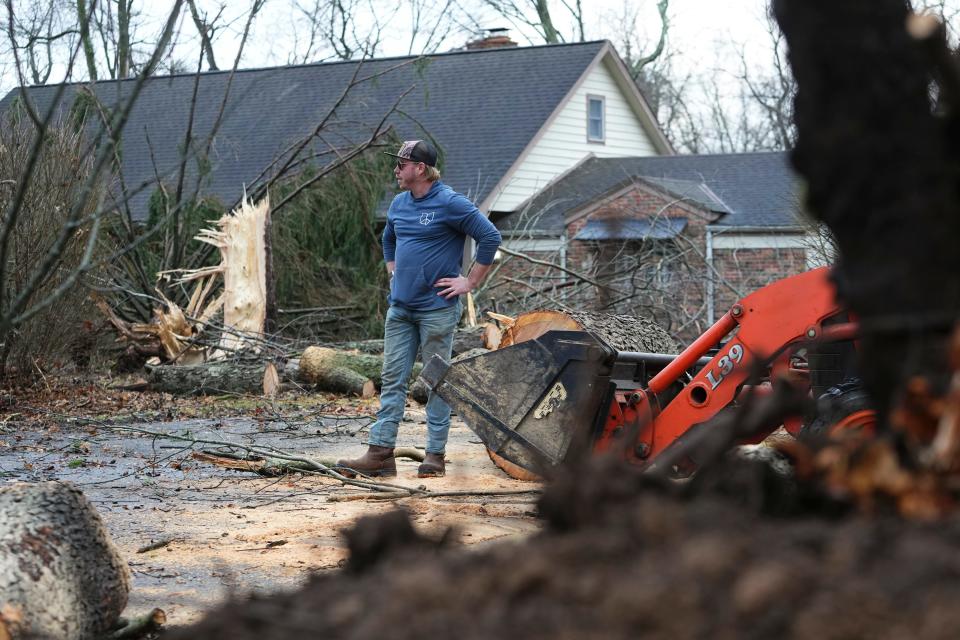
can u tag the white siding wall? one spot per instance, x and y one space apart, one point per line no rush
564 143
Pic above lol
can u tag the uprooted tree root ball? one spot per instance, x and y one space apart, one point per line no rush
621 557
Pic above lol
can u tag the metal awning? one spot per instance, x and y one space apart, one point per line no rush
632 229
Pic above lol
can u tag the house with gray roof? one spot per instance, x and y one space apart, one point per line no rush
507 121
555 143
691 234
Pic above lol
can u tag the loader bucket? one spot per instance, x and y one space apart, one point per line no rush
531 401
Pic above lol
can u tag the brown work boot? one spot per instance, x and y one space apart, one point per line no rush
377 461
432 466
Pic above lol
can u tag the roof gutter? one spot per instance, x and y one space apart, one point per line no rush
754 229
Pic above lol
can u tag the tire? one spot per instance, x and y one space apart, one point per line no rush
843 407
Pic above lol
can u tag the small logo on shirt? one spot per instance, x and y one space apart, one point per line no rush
427 217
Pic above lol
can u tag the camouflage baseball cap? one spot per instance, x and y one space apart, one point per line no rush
417 151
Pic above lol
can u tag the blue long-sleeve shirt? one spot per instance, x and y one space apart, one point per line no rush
425 236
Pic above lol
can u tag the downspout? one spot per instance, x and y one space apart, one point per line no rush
563 249
563 258
711 312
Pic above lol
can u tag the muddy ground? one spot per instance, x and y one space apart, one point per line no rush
622 558
230 531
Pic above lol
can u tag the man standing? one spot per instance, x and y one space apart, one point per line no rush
423 243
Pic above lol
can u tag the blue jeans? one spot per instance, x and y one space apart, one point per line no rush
404 332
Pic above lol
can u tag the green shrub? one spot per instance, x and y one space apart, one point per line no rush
326 251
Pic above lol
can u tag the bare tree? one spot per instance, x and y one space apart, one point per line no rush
207 27
772 92
432 22
27 293
633 43
37 31
723 110
114 37
536 15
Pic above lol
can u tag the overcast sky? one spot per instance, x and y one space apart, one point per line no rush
701 32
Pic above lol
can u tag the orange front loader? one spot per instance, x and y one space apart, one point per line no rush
537 402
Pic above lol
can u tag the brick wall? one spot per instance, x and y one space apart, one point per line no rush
745 270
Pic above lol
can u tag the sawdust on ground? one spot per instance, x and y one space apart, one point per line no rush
231 532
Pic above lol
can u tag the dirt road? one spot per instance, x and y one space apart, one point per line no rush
229 530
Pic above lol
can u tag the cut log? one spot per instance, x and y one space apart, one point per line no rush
60 575
363 346
341 380
492 335
468 338
463 340
316 360
211 378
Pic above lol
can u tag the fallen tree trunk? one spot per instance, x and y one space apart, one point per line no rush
212 378
341 380
316 362
215 378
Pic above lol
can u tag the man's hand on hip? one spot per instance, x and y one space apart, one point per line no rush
452 287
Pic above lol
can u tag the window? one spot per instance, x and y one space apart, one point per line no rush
595 123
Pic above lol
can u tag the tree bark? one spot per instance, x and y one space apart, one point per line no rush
212 378
83 19
220 377
60 574
316 360
340 380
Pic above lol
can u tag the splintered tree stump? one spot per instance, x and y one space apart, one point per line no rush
623 333
60 575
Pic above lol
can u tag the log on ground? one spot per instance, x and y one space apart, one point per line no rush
316 361
61 577
343 380
224 377
212 378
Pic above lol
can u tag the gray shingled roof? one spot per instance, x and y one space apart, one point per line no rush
757 189
482 108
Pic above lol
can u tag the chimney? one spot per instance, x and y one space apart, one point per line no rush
492 39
